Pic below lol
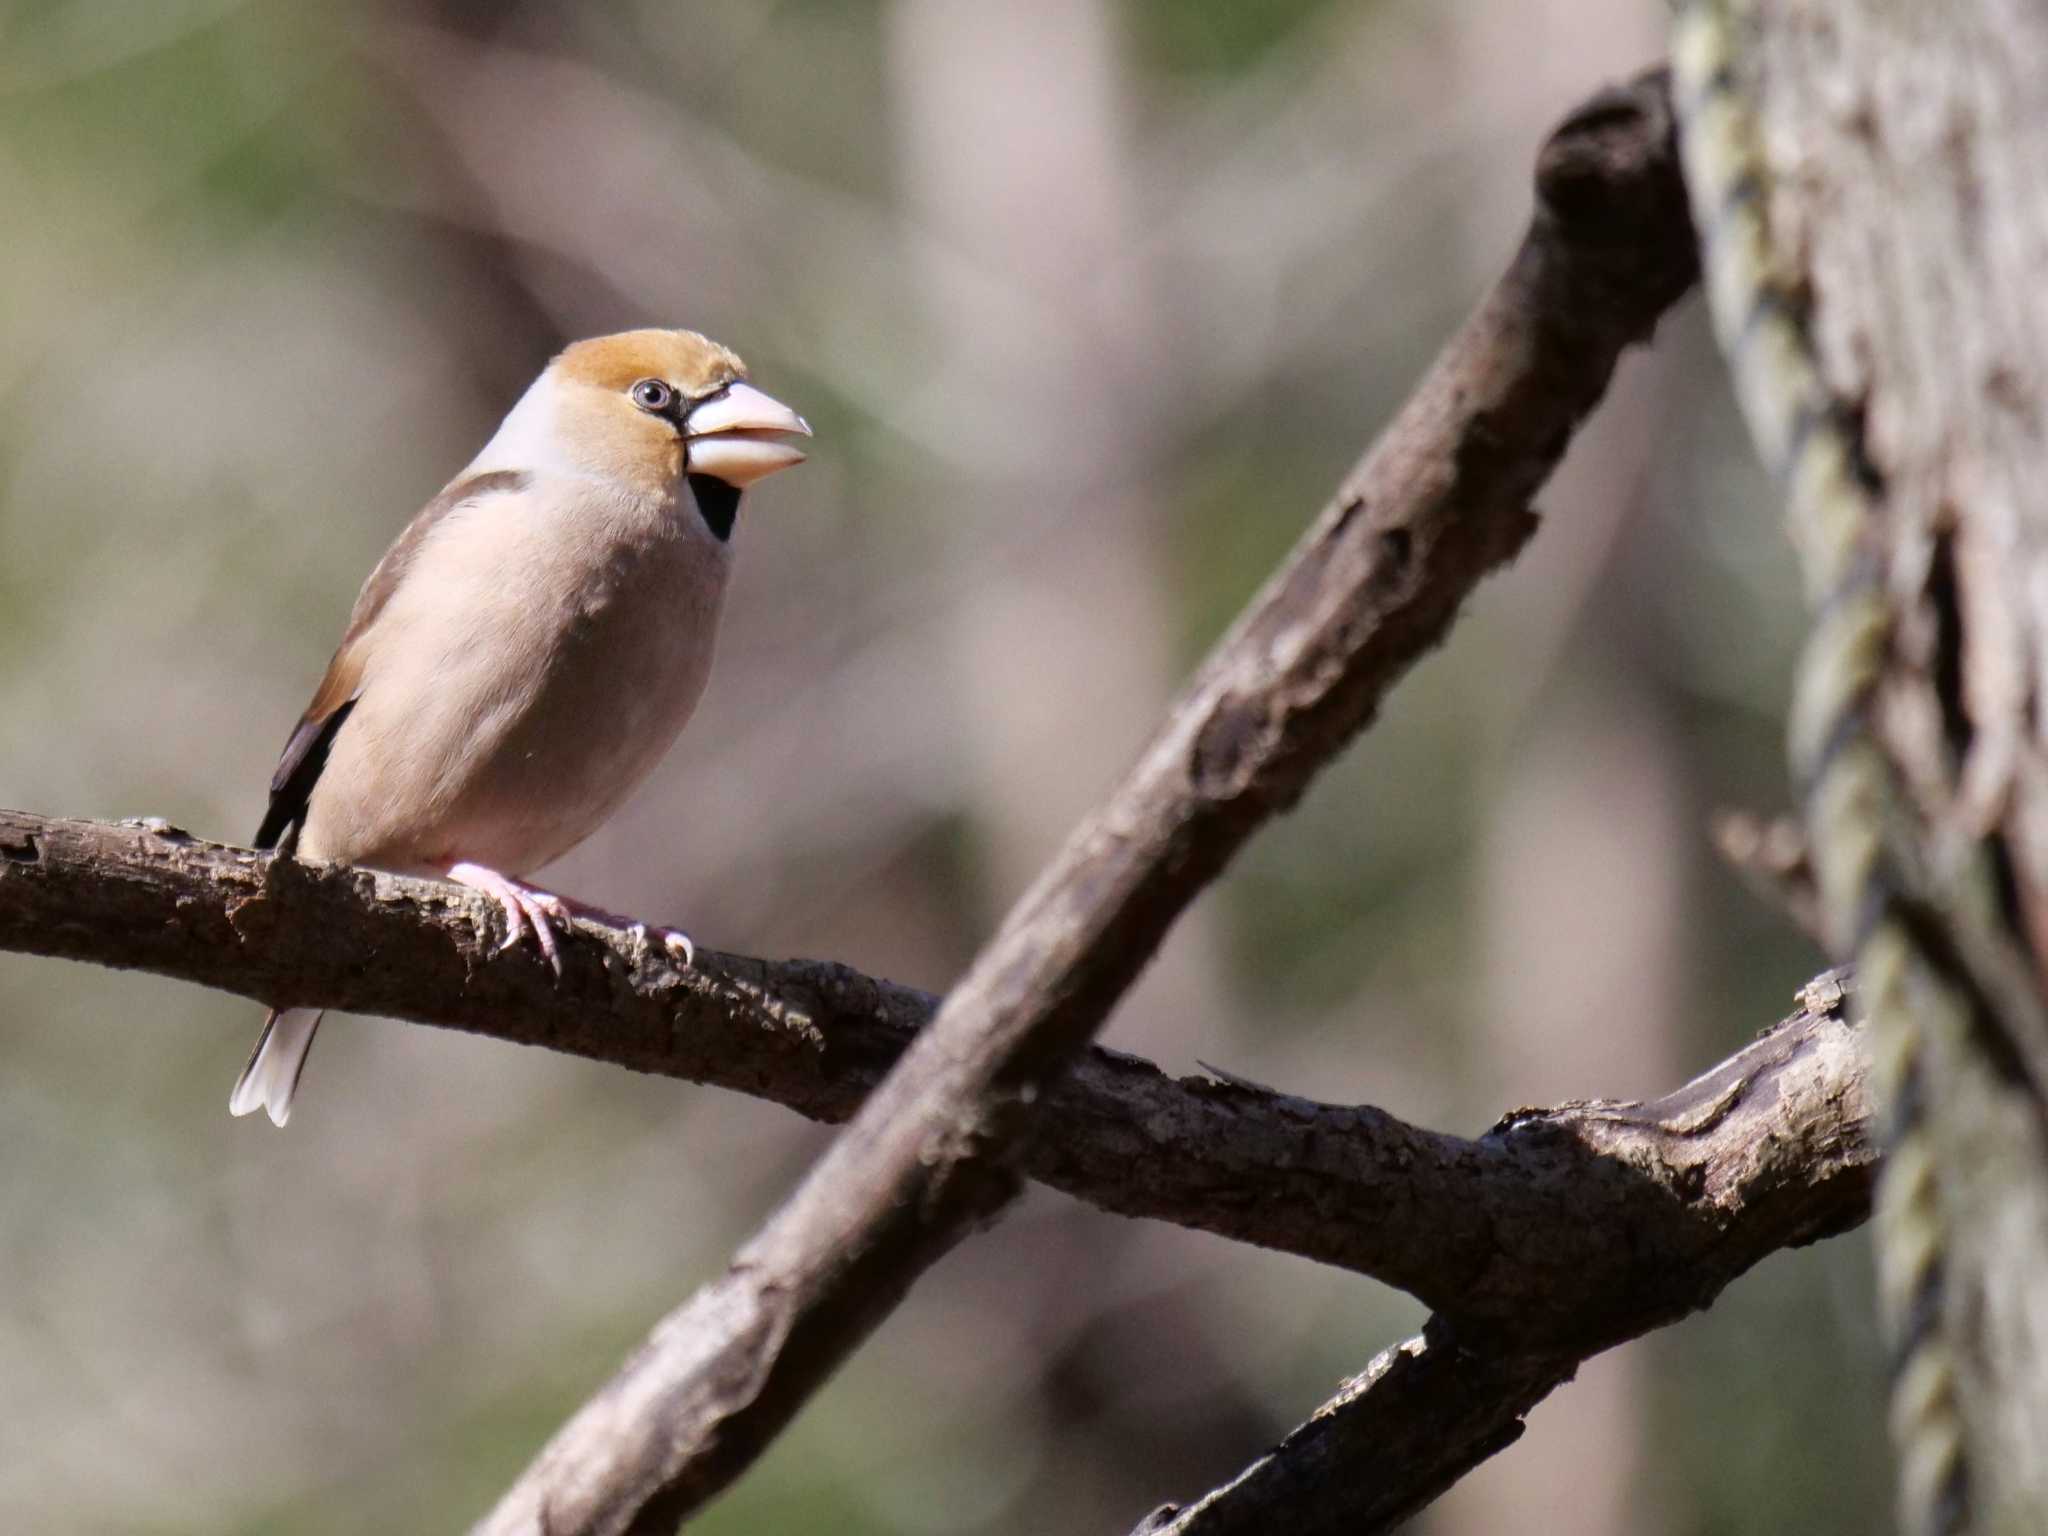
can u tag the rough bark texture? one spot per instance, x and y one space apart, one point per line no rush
1906 146
1442 499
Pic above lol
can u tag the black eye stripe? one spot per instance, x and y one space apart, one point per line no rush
658 397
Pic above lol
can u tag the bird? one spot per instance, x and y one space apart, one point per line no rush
530 645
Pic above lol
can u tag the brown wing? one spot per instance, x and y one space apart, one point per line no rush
298 768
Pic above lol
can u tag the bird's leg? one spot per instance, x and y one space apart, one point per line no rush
527 908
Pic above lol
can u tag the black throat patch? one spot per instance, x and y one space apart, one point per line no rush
717 503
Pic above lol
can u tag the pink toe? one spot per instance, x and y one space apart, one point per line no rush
544 935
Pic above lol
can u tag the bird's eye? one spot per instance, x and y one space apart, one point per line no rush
653 395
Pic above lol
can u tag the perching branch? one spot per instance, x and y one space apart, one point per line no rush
1440 501
1475 1228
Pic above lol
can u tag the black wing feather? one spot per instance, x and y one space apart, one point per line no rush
297 771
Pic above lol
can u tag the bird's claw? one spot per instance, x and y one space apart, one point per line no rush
677 943
540 912
526 910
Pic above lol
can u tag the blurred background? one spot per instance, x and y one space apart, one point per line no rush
1091 304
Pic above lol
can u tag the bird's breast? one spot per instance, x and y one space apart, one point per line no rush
620 657
537 666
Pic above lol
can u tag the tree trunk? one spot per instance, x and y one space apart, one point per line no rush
1906 150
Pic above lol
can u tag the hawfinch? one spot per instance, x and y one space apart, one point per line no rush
530 645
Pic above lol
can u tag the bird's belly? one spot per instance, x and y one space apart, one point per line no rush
525 724
620 686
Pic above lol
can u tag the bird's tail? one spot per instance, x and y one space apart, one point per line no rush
272 1075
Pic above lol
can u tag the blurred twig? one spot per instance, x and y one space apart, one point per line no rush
1440 501
1770 856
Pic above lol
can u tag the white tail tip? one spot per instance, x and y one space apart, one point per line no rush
272 1075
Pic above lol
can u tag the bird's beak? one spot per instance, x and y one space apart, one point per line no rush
736 436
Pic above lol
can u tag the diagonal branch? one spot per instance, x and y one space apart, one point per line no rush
1472 1227
1441 500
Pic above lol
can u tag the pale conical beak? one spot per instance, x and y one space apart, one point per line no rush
736 436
